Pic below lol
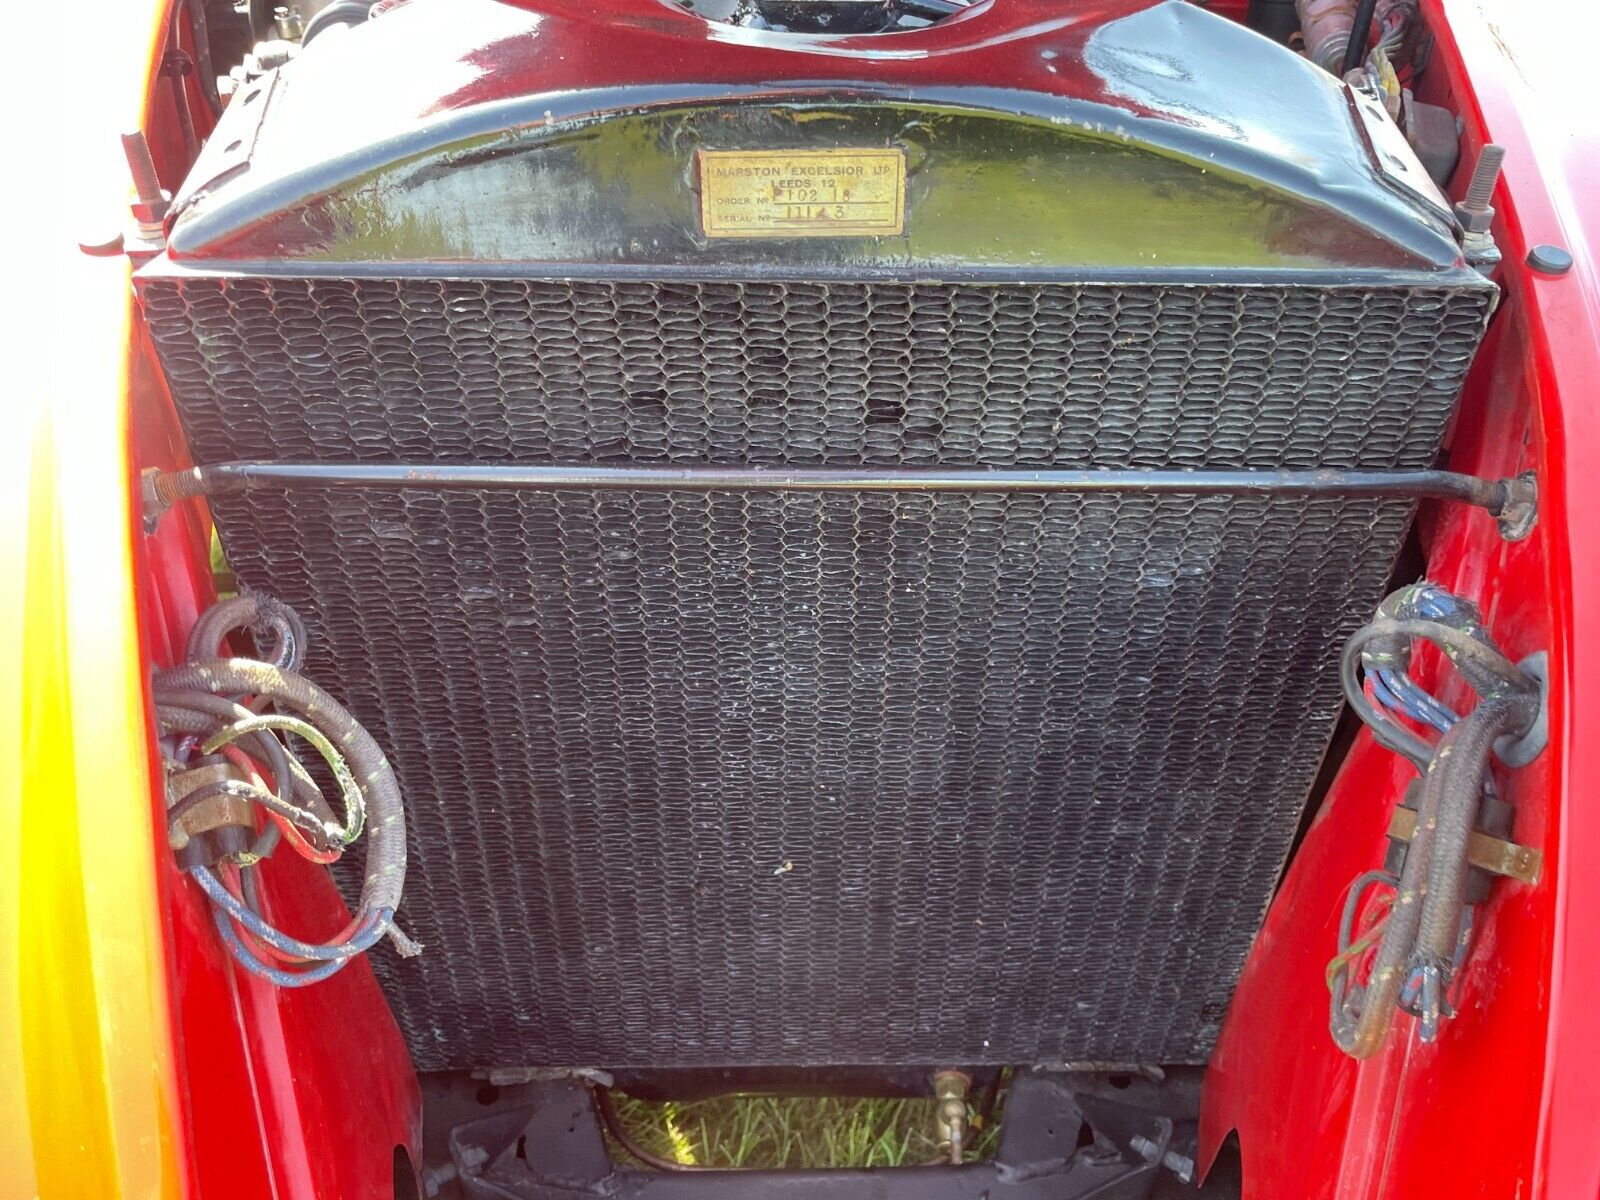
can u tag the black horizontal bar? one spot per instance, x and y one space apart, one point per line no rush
1494 495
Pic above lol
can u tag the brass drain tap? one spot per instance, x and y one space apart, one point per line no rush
951 1087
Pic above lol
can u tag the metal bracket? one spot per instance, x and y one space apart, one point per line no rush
1519 510
227 152
519 1076
1495 855
152 503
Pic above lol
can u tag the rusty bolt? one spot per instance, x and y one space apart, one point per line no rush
1473 211
151 208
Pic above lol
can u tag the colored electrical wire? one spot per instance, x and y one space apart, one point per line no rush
372 927
1417 933
239 881
1352 945
275 975
215 710
350 790
240 790
289 831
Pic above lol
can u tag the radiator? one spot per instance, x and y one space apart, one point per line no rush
823 779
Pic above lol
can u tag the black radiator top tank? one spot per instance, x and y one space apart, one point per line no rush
1113 137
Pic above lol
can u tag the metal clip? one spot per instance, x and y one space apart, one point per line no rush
1492 854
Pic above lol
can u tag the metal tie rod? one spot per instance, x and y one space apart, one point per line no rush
1511 501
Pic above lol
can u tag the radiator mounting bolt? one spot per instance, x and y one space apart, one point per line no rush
152 204
1179 1164
1475 214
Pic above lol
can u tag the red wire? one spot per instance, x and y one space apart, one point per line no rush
291 832
229 872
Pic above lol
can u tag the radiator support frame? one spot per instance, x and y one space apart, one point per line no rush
1039 1156
1512 502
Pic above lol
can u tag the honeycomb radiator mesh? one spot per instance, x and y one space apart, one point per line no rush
806 779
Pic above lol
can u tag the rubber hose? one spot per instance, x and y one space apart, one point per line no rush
1497 673
348 13
1434 877
384 880
1356 50
1419 602
211 626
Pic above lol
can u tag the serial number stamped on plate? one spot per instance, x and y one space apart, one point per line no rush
802 193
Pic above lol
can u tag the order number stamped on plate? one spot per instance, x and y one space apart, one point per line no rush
802 193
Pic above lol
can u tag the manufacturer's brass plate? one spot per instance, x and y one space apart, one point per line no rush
802 193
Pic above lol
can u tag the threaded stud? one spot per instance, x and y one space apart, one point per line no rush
143 168
1480 191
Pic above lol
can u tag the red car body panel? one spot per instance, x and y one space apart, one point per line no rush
292 1093
1507 1102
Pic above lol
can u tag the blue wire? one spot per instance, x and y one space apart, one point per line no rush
276 975
1396 689
1381 689
1435 603
222 897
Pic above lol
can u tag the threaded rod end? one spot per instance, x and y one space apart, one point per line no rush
1480 190
172 486
143 168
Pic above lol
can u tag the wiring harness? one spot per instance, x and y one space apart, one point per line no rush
1412 937
236 791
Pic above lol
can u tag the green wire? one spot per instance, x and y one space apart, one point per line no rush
355 804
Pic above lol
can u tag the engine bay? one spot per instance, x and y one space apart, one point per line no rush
837 546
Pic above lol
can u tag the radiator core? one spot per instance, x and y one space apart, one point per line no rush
808 779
